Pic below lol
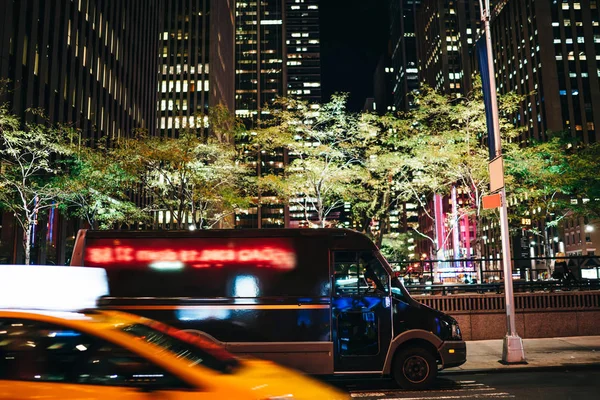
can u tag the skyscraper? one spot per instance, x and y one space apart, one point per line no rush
277 53
446 31
552 55
405 62
88 63
196 62
277 49
303 50
91 63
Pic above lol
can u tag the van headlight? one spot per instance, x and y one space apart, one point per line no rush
452 329
455 331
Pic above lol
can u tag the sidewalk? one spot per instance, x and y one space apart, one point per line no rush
564 352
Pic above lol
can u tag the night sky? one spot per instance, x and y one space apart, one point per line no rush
353 37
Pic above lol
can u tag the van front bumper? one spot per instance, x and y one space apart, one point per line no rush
453 353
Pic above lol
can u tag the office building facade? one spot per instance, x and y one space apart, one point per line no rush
87 63
196 63
277 54
404 52
447 30
552 55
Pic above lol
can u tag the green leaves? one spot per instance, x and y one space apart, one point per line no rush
30 165
197 181
322 146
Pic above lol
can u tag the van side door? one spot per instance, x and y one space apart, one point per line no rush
361 312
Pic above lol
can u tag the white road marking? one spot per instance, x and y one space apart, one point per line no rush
502 395
465 390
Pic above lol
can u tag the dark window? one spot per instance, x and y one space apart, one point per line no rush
37 351
359 273
358 334
184 345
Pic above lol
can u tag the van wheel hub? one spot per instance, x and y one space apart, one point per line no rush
416 369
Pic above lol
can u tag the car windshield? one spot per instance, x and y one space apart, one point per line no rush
193 348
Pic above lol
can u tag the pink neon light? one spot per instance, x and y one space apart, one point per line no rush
105 253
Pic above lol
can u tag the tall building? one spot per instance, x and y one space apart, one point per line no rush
277 53
88 63
303 50
552 55
404 57
446 31
196 60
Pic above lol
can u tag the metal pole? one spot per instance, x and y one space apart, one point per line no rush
512 348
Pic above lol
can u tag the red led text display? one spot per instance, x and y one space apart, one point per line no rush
195 253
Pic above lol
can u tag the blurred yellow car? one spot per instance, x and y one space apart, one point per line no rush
113 355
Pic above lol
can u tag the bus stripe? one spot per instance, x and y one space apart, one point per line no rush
227 307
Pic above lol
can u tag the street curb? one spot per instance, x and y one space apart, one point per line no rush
545 368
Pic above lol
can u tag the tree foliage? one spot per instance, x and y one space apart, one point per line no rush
429 150
30 169
98 188
324 168
195 180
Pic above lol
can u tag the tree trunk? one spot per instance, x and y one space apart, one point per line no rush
27 243
549 252
383 217
321 213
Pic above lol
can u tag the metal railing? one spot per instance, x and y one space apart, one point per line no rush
524 302
498 287
490 269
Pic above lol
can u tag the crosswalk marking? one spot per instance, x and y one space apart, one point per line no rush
463 390
468 396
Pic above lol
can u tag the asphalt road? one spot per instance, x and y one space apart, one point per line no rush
564 384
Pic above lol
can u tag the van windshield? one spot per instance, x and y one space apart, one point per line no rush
197 350
399 291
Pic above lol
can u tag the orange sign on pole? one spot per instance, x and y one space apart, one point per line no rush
496 168
492 201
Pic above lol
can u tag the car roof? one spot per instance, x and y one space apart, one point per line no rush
95 319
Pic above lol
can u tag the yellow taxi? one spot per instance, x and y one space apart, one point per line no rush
112 355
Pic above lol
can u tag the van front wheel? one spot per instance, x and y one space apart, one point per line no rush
414 368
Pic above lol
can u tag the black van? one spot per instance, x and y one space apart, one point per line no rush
324 301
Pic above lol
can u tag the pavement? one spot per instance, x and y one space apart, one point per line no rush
540 354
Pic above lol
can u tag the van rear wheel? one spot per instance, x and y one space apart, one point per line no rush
414 368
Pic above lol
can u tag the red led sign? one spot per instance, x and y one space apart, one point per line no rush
196 253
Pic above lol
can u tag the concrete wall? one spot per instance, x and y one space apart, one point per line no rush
538 315
482 326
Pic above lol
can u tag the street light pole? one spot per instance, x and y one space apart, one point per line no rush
512 347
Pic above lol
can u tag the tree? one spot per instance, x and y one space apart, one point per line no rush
96 189
321 143
30 169
197 181
432 149
553 178
583 180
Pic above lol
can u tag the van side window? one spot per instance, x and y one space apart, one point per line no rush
359 272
